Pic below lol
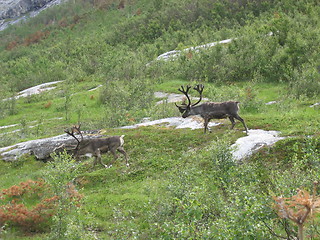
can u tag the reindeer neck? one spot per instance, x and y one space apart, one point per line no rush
197 110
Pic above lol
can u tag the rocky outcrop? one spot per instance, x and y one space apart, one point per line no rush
41 148
244 147
16 8
16 11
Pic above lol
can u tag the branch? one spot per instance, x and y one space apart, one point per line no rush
272 232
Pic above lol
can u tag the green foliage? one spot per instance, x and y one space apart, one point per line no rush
60 173
190 189
37 206
126 102
306 83
284 56
181 184
202 201
27 206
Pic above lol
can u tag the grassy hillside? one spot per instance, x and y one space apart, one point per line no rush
181 184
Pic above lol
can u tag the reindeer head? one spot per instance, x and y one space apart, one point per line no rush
186 108
75 129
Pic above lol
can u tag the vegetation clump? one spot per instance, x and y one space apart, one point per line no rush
298 208
181 184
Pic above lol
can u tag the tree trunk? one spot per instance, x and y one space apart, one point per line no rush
300 231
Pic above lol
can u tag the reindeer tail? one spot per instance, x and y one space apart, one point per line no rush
121 140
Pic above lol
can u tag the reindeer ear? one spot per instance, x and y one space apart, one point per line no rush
182 108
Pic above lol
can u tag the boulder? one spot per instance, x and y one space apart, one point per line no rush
40 148
16 8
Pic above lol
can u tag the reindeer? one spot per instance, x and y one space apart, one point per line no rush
210 110
97 146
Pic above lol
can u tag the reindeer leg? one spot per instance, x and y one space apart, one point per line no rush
121 150
95 161
115 156
241 120
232 121
100 160
98 157
206 122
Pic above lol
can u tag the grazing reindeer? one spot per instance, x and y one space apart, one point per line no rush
96 146
210 110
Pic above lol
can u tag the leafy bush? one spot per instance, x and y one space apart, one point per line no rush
305 83
31 206
299 208
201 192
126 101
211 200
66 223
28 206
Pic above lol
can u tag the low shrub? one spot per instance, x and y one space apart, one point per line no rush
30 205
27 206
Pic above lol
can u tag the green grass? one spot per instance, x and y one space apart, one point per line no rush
154 153
47 115
123 198
170 86
181 184
19 171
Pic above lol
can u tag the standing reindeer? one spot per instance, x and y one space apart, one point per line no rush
96 146
210 110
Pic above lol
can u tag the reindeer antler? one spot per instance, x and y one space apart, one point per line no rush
75 129
181 89
199 88
185 92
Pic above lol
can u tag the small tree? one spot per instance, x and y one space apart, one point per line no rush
60 174
299 207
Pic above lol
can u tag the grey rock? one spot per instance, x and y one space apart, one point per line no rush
40 148
15 8
16 11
